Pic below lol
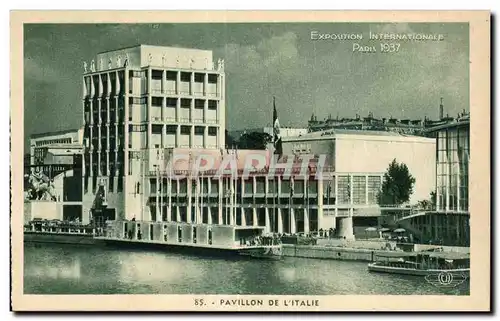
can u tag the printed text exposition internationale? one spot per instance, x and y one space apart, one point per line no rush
317 35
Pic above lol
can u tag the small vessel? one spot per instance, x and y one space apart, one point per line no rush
422 263
191 237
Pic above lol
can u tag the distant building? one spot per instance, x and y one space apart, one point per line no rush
40 144
284 131
359 159
417 127
137 102
53 177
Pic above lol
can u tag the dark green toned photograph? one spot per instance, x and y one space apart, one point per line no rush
264 158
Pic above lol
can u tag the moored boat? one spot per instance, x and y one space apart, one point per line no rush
426 264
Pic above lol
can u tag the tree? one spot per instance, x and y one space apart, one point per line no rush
429 204
254 140
397 186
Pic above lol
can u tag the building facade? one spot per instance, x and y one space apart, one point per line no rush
298 201
138 101
452 166
40 143
448 222
361 151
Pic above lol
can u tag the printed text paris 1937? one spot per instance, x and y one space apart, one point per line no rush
376 42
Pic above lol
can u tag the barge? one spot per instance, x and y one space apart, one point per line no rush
427 264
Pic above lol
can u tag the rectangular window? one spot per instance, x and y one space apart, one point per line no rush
344 190
359 189
156 101
212 78
212 104
199 104
212 131
171 129
185 76
185 130
199 130
185 103
172 102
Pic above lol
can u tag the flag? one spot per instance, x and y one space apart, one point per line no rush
278 148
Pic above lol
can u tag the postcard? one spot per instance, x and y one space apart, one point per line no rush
250 161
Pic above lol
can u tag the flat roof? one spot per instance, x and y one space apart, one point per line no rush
330 133
145 45
460 123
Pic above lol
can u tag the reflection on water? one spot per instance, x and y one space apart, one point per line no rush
65 269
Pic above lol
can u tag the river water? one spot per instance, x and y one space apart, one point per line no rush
72 269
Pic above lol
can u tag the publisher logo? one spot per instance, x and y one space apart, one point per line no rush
446 279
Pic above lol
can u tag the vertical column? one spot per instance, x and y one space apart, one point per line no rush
448 181
306 221
178 82
209 215
205 121
191 83
164 83
366 190
221 199
268 222
148 116
459 208
280 221
292 221
255 219
164 135
320 202
336 185
178 136
191 136
108 149
205 84
205 137
243 216
346 229
218 89
178 110
189 188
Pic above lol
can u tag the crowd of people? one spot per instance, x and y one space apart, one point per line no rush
274 239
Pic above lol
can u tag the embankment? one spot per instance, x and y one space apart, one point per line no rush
60 238
331 253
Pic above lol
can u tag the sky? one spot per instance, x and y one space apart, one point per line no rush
263 60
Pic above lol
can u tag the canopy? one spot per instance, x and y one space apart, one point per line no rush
384 229
399 230
370 229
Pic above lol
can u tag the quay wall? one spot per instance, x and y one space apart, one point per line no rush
30 237
352 253
332 253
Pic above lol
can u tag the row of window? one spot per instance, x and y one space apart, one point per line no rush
53 141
